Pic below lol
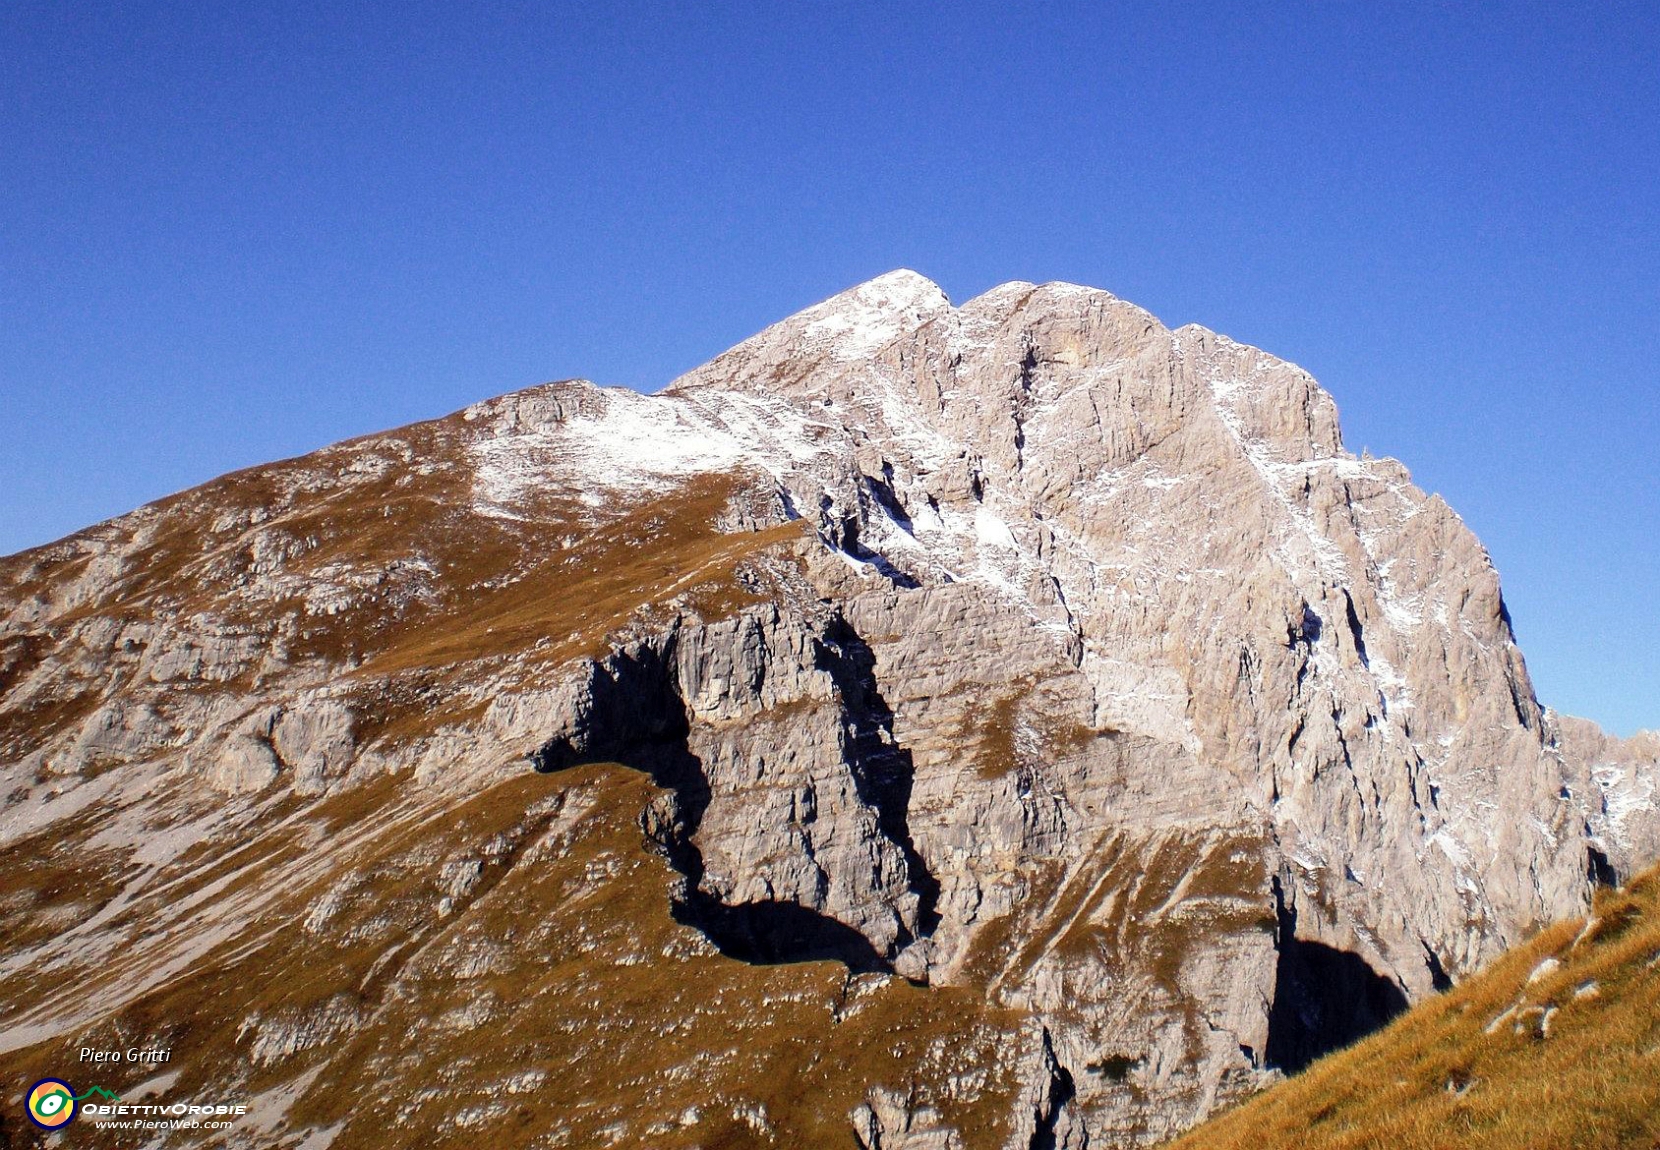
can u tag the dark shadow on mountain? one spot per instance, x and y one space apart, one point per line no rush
1324 998
771 933
638 719
881 492
635 714
1598 870
1438 976
843 534
885 568
1356 632
1062 1090
883 771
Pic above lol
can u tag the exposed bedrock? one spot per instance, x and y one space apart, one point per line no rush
788 802
1166 719
1025 648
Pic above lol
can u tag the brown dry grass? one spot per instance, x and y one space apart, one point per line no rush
444 595
1437 1079
576 597
990 733
50 879
621 1017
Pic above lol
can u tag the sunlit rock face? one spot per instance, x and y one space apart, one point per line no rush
1008 724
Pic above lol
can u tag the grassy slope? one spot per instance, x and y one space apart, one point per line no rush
1479 1066
550 1001
554 1004
442 597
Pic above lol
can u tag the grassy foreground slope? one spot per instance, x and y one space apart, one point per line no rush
1555 1046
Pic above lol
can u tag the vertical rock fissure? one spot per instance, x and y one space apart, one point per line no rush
1054 1127
883 771
633 713
1356 631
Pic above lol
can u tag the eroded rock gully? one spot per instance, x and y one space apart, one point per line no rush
771 726
1123 739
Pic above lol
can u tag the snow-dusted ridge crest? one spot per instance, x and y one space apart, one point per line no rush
769 404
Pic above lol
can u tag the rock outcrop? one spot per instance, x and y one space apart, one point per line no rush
1026 656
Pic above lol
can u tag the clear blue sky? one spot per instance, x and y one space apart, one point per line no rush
235 232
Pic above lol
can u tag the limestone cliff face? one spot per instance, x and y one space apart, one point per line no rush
1025 656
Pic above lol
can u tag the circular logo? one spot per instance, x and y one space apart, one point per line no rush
52 1103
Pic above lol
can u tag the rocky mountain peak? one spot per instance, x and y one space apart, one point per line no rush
970 370
846 328
1036 707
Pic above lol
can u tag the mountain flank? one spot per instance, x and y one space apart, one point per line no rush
1014 724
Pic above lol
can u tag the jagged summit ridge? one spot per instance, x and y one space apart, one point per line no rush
744 409
1025 649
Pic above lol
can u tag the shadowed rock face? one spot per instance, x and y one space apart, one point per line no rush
1324 998
1053 728
632 710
